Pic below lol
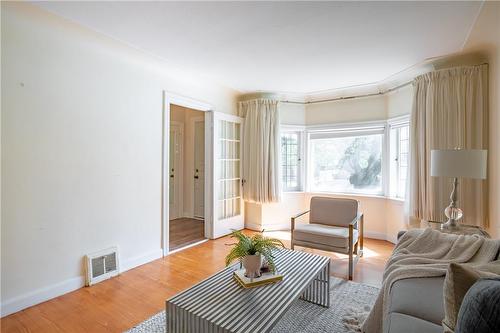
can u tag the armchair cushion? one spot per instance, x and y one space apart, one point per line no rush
333 211
324 234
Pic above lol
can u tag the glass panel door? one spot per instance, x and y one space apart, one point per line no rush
228 203
229 169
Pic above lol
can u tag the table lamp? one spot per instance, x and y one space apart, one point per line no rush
457 163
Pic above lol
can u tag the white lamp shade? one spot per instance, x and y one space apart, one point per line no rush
460 163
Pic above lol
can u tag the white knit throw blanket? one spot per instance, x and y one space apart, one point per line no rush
426 254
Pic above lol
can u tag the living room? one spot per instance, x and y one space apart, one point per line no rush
360 136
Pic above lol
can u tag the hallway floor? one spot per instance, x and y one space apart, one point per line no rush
185 231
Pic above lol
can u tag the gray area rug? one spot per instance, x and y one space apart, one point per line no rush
350 303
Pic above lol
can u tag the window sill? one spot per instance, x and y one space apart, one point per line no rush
396 199
376 196
360 195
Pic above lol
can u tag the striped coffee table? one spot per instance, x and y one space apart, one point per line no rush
220 304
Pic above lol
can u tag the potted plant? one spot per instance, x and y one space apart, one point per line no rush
250 250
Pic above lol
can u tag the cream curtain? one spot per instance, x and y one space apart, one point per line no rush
450 110
261 150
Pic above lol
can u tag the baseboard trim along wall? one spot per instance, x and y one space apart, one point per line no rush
140 260
41 295
381 236
44 294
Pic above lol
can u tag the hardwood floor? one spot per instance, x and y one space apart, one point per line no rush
185 231
122 302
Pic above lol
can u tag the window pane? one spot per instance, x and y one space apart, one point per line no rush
290 160
347 164
404 146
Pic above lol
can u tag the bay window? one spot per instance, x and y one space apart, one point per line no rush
365 158
347 161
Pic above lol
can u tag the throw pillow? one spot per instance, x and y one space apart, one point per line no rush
458 280
480 310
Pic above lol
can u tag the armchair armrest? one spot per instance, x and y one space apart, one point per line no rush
357 223
292 224
354 222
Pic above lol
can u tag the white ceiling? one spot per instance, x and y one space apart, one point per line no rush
293 47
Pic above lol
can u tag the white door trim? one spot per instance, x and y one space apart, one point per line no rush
195 120
167 99
179 172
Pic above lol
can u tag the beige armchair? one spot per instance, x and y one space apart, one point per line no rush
335 225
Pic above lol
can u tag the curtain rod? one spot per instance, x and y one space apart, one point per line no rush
350 97
366 95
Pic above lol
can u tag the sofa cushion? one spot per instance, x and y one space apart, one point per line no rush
459 278
408 295
402 323
480 310
323 234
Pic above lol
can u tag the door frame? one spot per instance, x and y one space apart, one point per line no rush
195 120
168 99
179 171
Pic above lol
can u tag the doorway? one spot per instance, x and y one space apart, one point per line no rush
186 177
209 203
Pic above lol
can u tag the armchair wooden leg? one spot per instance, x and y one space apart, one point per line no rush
351 264
361 236
350 251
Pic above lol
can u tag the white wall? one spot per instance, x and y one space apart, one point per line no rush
274 216
399 102
81 151
348 110
292 114
485 37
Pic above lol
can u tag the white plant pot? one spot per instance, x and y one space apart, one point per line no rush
252 265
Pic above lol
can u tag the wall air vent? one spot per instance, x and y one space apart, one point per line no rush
101 265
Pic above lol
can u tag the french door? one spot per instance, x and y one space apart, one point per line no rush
227 204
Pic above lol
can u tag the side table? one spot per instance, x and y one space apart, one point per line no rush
464 229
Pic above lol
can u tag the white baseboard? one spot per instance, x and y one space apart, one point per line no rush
140 260
392 239
252 226
40 295
381 236
277 227
375 235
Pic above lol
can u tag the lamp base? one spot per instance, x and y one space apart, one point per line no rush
452 212
451 224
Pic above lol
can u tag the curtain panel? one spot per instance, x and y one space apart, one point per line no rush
450 110
261 150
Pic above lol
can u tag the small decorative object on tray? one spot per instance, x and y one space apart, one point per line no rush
265 278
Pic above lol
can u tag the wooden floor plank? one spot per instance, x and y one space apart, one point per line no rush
185 231
118 304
